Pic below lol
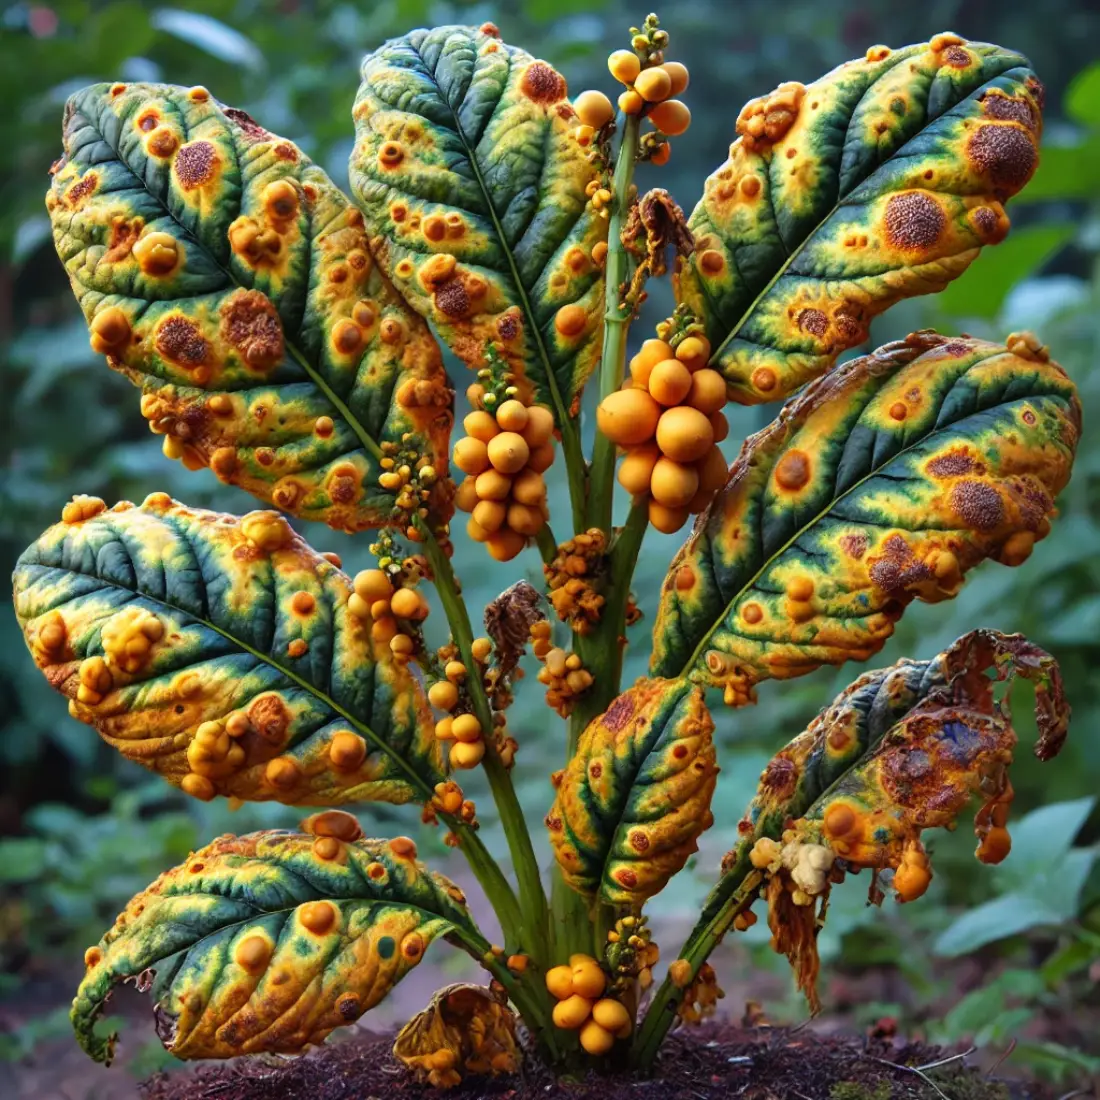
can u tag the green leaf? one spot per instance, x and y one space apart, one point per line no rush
222 653
883 482
268 942
465 153
998 919
1083 96
982 290
1044 836
1066 172
636 795
880 181
210 35
225 274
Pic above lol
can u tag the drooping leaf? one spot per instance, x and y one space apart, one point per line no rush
880 181
220 652
225 274
883 482
465 153
268 942
636 795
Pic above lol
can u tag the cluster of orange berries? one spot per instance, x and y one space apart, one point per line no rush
448 798
462 730
579 988
668 418
702 993
569 579
631 952
507 448
395 613
562 673
410 475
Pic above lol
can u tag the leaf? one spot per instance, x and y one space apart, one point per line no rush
1083 97
1066 172
225 274
210 35
636 795
982 291
268 942
1008 915
880 181
464 152
220 652
883 482
1044 836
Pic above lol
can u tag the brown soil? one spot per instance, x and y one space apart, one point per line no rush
711 1063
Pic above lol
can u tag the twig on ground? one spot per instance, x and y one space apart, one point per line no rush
1002 1059
911 1069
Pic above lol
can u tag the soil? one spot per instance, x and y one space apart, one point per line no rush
709 1063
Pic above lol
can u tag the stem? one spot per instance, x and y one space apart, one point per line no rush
547 544
533 928
616 322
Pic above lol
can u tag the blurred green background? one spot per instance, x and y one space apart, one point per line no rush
82 830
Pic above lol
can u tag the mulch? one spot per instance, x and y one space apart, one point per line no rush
714 1062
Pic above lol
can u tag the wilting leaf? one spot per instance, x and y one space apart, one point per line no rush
267 942
465 153
883 482
220 652
465 1030
635 797
880 181
225 274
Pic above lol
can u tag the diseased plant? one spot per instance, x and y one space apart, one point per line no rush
279 332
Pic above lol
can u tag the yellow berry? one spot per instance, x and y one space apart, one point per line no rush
595 1039
444 729
684 434
511 416
466 727
693 352
653 85
542 458
480 425
559 981
630 103
588 979
529 488
671 117
624 66
570 320
911 880
539 427
379 608
677 75
628 417
402 644
666 520
407 603
636 468
669 382
372 584
493 485
505 544
672 484
708 391
594 109
467 754
524 519
611 1015
476 531
712 470
508 452
720 426
471 455
466 495
571 1013
481 648
652 352
490 515
382 630
455 671
443 694
661 154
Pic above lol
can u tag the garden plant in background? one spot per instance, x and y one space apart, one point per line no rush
282 335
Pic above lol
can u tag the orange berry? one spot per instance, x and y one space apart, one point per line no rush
571 1013
677 75
540 426
693 352
373 584
662 154
708 391
630 103
505 544
636 468
466 495
669 382
588 979
570 320
624 66
653 85
493 485
712 470
511 416
673 485
467 754
480 425
559 981
720 426
490 515
652 352
671 117
466 727
471 456
611 1015
443 695
594 109
529 488
476 531
595 1039
684 434
408 604
666 520
527 521
508 452
628 417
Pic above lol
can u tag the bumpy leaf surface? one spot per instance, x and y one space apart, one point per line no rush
636 796
883 482
880 181
465 153
225 274
267 942
220 653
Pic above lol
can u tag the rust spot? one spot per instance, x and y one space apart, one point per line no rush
752 613
349 1007
508 326
685 578
899 410
251 324
451 299
1004 153
162 143
985 221
978 505
1035 86
619 713
854 545
951 464
148 120
490 29
914 220
1029 417
764 379
285 151
626 878
80 190
179 340
343 485
542 83
711 262
554 824
270 718
124 233
780 777
898 567
595 769
957 57
251 129
1006 108
196 164
813 321
792 472
639 841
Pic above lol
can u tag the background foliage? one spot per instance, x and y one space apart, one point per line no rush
84 829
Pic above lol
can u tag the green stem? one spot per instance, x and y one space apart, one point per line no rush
534 927
547 544
616 322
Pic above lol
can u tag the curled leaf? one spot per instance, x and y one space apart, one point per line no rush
268 942
883 482
636 796
880 181
465 1030
227 276
221 653
473 185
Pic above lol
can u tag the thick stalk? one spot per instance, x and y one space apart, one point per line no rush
601 481
534 927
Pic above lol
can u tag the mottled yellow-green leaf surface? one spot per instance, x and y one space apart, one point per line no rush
229 278
267 942
885 481
220 652
473 187
880 181
636 795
